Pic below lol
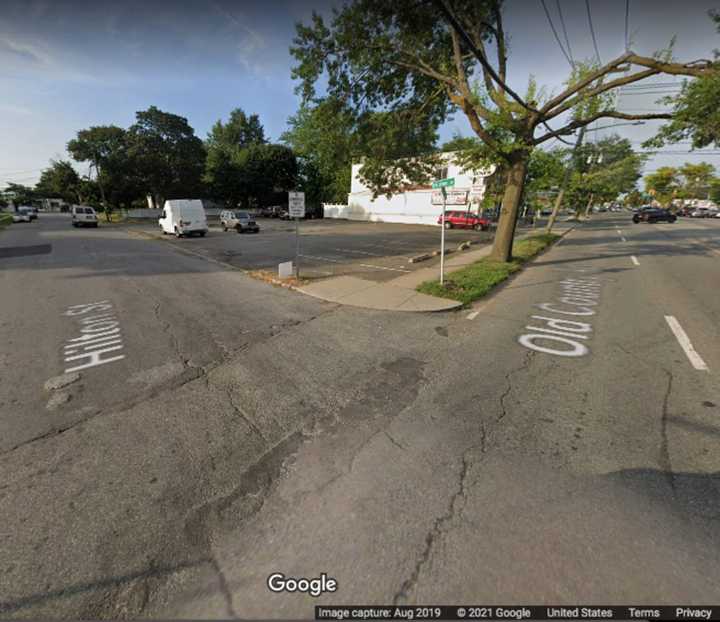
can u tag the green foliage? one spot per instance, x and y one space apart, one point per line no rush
325 141
241 167
634 198
107 149
478 279
396 111
696 110
545 173
697 179
239 131
663 184
19 194
604 169
59 181
168 158
696 115
714 190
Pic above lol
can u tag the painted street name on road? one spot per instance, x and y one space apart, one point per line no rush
99 335
561 336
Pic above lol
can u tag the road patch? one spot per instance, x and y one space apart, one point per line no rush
24 251
99 335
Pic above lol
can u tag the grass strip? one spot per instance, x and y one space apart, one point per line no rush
477 279
5 220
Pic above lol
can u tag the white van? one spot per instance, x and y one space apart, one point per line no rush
83 216
183 217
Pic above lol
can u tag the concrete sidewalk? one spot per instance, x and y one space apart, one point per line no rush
399 294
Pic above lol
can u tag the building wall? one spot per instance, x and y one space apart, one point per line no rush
410 207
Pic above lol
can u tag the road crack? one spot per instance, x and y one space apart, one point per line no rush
244 416
439 527
664 459
508 376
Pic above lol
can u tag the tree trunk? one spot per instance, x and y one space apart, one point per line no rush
514 183
589 205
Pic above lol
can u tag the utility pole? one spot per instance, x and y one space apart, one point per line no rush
565 180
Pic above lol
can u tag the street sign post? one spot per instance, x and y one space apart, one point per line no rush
442 184
296 210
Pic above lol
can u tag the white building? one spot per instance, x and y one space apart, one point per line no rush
416 205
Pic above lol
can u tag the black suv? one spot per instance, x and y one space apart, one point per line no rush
654 214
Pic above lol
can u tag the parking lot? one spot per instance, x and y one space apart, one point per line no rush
375 251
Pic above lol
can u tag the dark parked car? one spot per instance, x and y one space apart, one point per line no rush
464 220
654 214
271 212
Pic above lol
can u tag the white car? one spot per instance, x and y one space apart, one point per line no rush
22 215
182 217
83 216
704 212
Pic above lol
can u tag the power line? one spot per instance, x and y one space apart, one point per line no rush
567 39
592 31
557 38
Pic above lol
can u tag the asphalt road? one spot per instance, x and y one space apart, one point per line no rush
413 458
374 251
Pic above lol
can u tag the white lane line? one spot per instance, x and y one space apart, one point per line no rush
635 260
685 343
347 250
369 265
473 315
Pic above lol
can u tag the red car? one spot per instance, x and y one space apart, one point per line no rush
464 220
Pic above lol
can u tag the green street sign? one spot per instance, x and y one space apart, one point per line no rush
443 183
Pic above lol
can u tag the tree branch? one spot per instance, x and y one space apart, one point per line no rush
479 55
695 68
473 118
601 88
571 127
500 40
581 84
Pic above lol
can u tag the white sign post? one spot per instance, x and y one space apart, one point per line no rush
296 210
442 241
442 184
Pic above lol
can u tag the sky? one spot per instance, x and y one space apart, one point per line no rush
69 64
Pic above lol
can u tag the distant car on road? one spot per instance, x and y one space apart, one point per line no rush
271 212
464 220
32 211
242 222
653 215
83 216
703 212
22 215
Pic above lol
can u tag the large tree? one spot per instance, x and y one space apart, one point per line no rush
602 171
664 184
60 180
414 63
226 143
169 159
698 178
325 140
105 148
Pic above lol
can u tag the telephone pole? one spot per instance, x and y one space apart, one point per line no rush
565 180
